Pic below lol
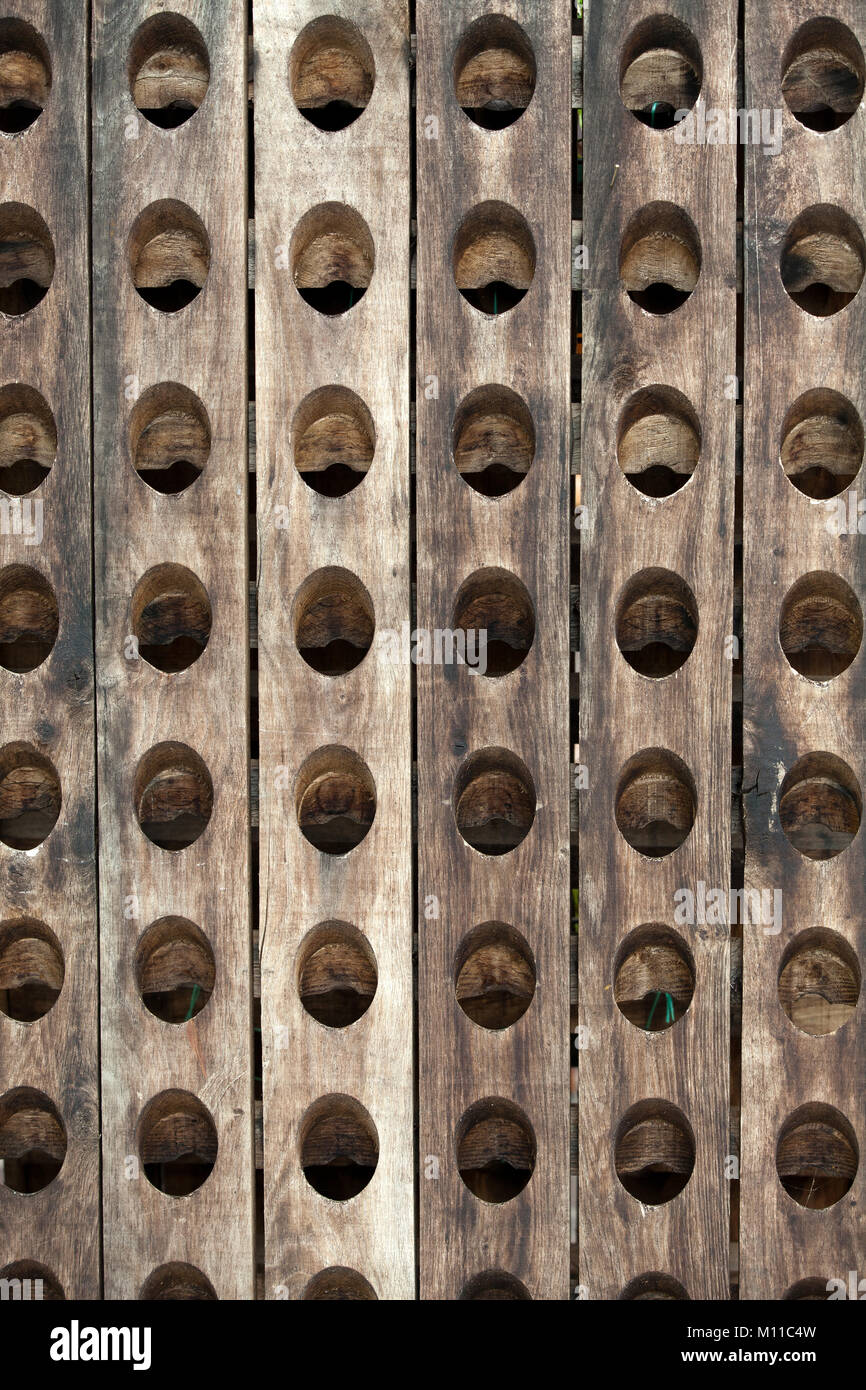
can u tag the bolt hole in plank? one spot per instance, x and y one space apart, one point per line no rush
494 801
493 257
823 260
177 1283
807 1291
175 969
660 72
32 1282
26 259
820 626
339 1285
653 966
169 255
171 617
819 981
820 805
177 1142
333 621
496 1149
655 802
495 1286
332 257
337 974
169 437
494 72
339 1147
658 441
173 796
28 439
25 76
332 73
32 969
656 622
29 620
822 74
653 1288
493 440
822 444
334 440
494 975
496 615
169 70
30 796
660 258
32 1140
654 1152
817 1156
335 799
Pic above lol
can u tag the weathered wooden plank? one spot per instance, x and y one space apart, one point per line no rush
169 254
49 1122
804 1052
332 427
656 613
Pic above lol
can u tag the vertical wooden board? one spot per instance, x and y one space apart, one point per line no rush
470 1244
624 712
46 686
803 1039
315 551
147 359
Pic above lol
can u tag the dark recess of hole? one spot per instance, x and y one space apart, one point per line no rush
659 298
171 116
22 476
18 116
336 115
169 298
336 298
495 298
178 476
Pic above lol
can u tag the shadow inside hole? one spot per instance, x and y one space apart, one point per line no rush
332 73
660 258
334 440
171 617
820 806
493 257
26 259
29 619
32 970
823 74
654 978
178 1283
494 801
177 1143
494 72
659 441
654 1152
496 617
175 969
496 1150
32 1140
25 76
655 802
30 797
335 800
494 975
493 440
169 255
822 444
339 1285
823 260
656 623
661 72
817 1157
819 982
820 626
169 437
337 978
334 621
173 796
169 70
339 1148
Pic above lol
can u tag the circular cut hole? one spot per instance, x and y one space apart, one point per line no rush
177 1283
494 975
335 799
496 1149
823 259
820 805
820 626
822 444
169 255
25 76
29 620
817 1156
177 1142
331 72
807 1291
30 796
822 75
334 440
169 70
495 1286
31 969
26 259
819 981
654 1154
337 974
171 617
493 257
660 71
659 441
660 258
333 620
653 1288
654 978
655 802
339 1285
32 1282
28 439
169 437
493 440
656 622
494 72
332 257
496 616
339 1147
173 796
32 1140
174 969
494 801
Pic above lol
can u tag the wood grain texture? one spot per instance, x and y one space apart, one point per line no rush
627 167
363 168
788 535
201 164
50 708
459 348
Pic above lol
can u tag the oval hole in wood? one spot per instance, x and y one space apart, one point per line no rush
494 1286
820 805
339 1285
332 258
36 1281
817 1156
823 260
174 969
333 621
29 620
496 1149
173 796
496 615
170 617
654 1288
28 439
820 625
337 974
169 437
660 71
335 799
169 70
493 257
494 975
26 259
494 801
660 258
169 255
823 74
822 443
494 72
655 802
334 440
32 1139
819 981
656 623
658 441
30 796
32 969
332 72
493 440
651 963
339 1147
177 1283
654 1152
807 1291
177 1142
25 76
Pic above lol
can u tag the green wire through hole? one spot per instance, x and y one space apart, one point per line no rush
670 1016
196 991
